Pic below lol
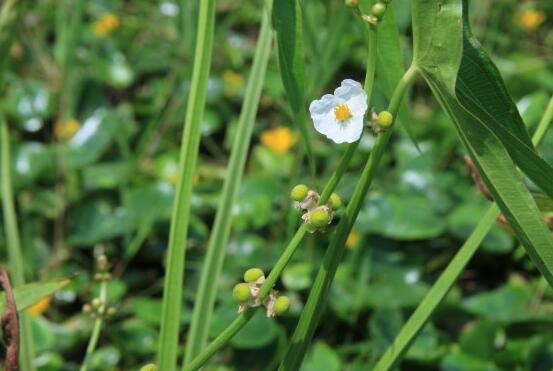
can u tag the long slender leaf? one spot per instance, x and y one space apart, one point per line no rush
13 241
287 22
211 270
31 293
481 91
173 282
438 56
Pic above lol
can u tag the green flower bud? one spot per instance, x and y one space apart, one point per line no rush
319 217
282 304
378 10
149 367
351 3
96 302
384 119
299 192
335 201
87 308
241 292
253 274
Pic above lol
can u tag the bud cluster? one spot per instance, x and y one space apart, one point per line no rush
97 307
376 13
247 294
316 216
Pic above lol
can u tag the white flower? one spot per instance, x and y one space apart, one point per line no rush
340 116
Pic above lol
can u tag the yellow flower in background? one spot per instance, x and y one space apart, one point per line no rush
279 139
233 82
40 306
353 239
107 23
530 19
65 130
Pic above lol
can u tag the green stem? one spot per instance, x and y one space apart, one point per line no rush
95 335
173 283
439 290
211 269
15 257
283 260
10 14
313 309
544 123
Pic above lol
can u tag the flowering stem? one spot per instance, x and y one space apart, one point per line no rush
312 311
95 335
283 260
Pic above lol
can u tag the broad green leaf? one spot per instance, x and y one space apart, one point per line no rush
482 92
438 57
287 22
30 293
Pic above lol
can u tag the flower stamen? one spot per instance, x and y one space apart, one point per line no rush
342 112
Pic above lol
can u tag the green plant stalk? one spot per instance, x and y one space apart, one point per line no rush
447 279
314 307
211 269
173 285
10 14
283 260
15 257
95 335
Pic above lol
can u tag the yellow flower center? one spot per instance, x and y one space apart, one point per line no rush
342 112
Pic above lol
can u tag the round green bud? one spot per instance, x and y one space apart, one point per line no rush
384 119
351 3
253 274
149 367
335 201
96 302
87 308
299 192
241 292
282 304
378 10
319 218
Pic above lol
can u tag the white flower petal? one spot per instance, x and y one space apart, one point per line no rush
355 96
322 113
348 131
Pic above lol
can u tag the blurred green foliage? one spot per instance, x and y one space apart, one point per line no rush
105 179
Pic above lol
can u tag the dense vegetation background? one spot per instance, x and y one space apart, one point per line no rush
95 138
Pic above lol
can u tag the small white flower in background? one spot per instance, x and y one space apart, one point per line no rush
339 116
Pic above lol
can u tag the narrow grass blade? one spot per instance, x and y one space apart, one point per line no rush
15 257
173 282
437 293
287 22
211 269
